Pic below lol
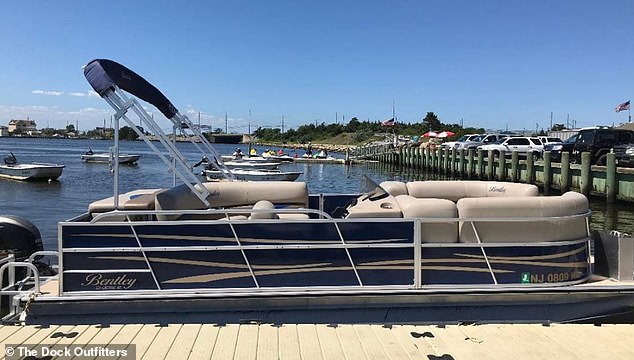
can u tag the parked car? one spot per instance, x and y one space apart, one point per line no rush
525 147
463 138
624 155
479 141
599 142
549 140
556 149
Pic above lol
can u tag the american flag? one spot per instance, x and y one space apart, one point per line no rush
389 122
624 106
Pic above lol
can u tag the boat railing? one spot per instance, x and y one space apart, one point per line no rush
14 290
224 217
135 215
131 215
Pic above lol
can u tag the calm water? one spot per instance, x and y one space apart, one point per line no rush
46 203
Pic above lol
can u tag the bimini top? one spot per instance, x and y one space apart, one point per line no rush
103 75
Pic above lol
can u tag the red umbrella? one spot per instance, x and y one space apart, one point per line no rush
446 134
430 134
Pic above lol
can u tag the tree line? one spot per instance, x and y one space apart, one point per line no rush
361 131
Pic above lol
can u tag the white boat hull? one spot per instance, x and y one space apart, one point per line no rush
271 165
105 158
33 171
254 175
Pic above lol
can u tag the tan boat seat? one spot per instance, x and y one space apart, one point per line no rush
431 232
570 203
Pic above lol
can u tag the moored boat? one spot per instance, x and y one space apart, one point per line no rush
11 169
255 165
106 158
254 174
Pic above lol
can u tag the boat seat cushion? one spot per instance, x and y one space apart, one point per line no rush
240 193
431 232
142 199
520 207
232 194
456 190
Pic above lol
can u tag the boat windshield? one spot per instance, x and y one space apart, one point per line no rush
372 191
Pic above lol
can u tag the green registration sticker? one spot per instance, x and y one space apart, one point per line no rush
526 278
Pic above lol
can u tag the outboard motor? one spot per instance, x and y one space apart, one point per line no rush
18 236
10 160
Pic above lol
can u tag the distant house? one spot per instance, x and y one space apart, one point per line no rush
21 126
4 131
104 131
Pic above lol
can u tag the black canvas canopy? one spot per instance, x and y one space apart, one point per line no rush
103 74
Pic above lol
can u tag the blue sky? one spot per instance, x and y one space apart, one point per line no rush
493 64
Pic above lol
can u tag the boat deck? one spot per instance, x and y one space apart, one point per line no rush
310 341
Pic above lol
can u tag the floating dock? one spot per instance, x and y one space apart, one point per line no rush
335 341
319 161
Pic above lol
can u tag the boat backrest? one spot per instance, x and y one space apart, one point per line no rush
431 232
523 207
225 194
492 200
456 190
394 188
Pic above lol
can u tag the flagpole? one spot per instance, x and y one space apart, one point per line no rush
394 128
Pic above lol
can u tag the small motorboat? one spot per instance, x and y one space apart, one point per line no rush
11 169
255 165
254 175
106 158
277 157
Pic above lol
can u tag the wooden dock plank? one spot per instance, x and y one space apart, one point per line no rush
533 340
329 342
497 341
226 342
68 334
126 335
589 340
85 335
162 342
247 343
465 340
28 335
415 341
183 343
144 338
268 342
288 342
390 344
309 342
443 343
8 330
371 344
205 342
350 342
